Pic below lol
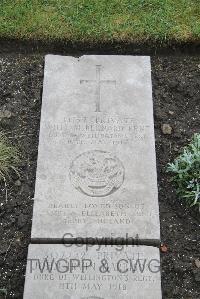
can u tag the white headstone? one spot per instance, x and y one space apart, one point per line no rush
96 172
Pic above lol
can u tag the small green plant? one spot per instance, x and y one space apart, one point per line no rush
9 158
186 172
3 292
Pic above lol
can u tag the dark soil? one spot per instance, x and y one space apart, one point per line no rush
148 47
176 91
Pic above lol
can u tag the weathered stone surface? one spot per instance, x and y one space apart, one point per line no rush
96 172
54 271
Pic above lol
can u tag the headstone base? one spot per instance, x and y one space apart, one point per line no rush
92 272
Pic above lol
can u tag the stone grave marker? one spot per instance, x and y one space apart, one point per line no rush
54 271
96 171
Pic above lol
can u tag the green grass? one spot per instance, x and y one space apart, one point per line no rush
185 172
101 20
9 158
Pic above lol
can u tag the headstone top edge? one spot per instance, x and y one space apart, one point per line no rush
49 56
69 247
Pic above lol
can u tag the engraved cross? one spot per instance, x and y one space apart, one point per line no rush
98 82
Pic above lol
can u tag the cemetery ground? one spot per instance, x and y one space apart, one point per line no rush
176 85
108 27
